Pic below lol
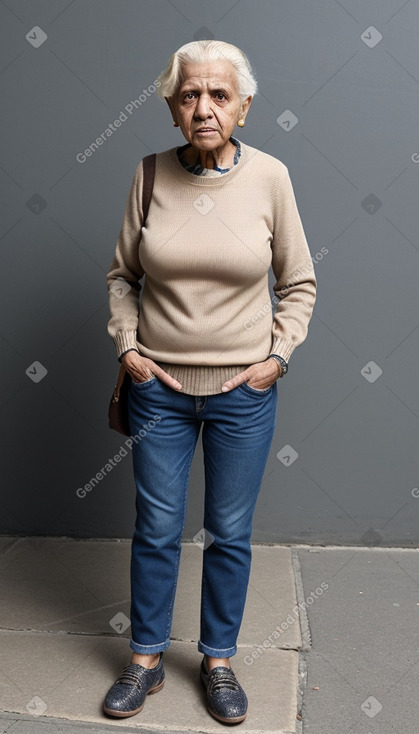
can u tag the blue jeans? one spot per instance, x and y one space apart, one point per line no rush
237 433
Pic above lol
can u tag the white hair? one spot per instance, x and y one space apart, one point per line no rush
198 52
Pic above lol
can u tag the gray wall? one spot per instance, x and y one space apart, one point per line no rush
349 406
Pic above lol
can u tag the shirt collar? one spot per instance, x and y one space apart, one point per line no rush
199 170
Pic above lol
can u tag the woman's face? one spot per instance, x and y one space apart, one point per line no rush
207 105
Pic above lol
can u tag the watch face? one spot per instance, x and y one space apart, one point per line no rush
284 366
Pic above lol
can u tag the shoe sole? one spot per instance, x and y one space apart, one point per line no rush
226 720
125 714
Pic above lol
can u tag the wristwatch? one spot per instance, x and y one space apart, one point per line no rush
282 362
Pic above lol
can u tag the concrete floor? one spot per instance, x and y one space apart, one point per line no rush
64 635
346 662
363 664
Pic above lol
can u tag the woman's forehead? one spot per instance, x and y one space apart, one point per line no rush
220 72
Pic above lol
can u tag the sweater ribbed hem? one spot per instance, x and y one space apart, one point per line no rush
201 380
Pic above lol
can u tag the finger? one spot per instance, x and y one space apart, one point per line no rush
149 369
164 377
235 381
172 383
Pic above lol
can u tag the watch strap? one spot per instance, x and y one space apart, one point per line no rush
282 362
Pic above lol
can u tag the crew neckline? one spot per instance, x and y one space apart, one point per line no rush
204 180
199 170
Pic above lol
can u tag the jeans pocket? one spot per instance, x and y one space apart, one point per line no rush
254 390
145 382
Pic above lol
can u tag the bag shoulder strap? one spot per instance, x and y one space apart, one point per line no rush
149 169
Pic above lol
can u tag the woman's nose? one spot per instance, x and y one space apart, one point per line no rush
203 108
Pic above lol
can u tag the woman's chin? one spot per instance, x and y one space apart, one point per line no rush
207 141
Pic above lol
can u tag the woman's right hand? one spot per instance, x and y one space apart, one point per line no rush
142 369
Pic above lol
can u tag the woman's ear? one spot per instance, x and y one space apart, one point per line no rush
245 106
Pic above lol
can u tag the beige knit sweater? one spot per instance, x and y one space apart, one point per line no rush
206 312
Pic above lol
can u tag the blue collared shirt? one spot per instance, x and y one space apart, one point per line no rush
200 170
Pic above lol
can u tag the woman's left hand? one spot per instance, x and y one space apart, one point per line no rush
260 375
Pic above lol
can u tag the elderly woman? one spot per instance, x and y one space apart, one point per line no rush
203 349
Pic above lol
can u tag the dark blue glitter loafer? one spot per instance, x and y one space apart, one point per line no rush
227 701
127 695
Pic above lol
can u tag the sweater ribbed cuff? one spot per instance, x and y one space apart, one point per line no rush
284 348
125 340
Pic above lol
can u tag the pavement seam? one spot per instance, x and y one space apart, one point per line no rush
191 543
94 728
301 690
63 725
321 546
107 635
299 590
305 640
78 633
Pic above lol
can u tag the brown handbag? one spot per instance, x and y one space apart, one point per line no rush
118 407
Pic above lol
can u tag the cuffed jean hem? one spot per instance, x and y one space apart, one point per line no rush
148 649
217 652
